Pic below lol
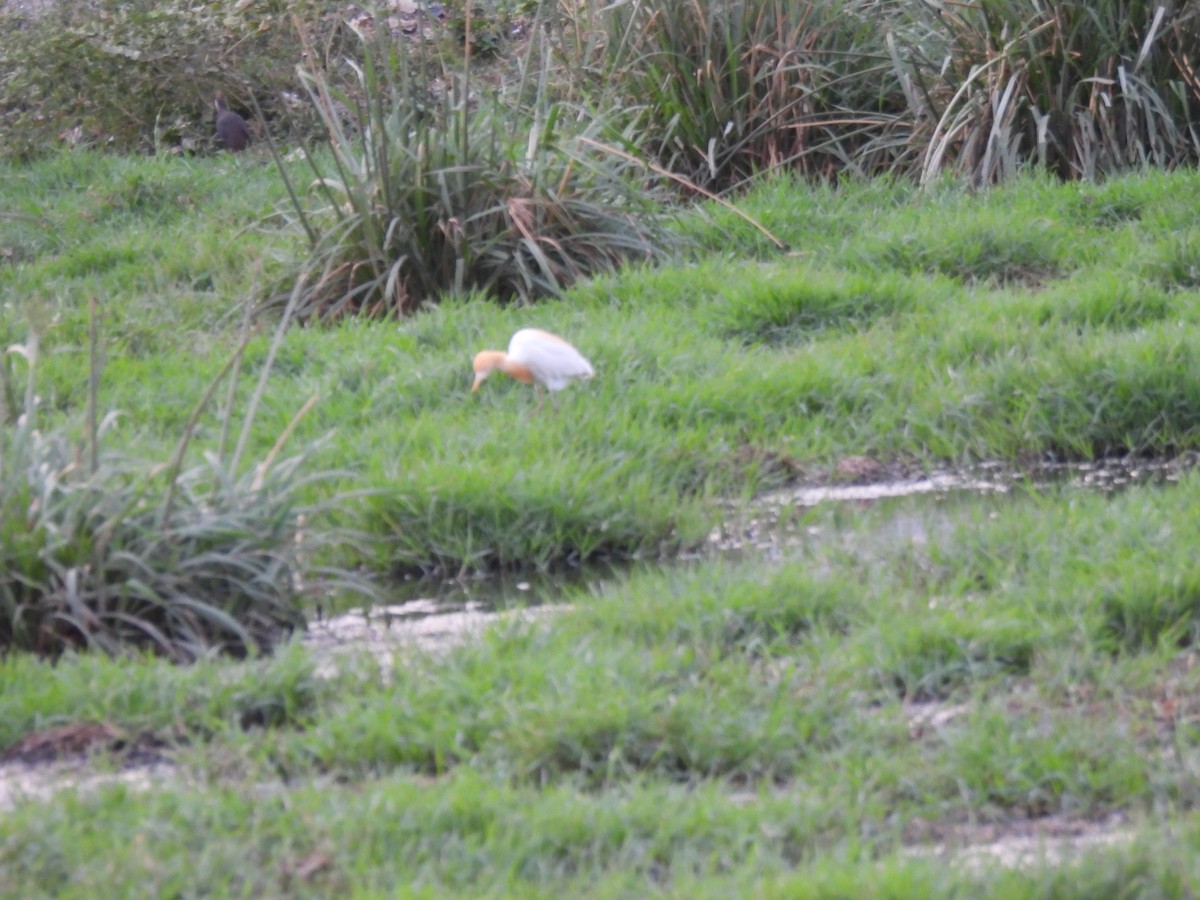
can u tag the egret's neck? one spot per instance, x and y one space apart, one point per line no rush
515 369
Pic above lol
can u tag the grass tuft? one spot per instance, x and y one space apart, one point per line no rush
436 189
106 552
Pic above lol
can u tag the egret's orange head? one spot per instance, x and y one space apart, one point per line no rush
486 362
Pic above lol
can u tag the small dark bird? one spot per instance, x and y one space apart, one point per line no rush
232 129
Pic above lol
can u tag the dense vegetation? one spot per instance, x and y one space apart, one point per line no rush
234 386
716 92
450 171
820 724
512 149
1037 321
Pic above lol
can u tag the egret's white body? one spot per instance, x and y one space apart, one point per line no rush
536 357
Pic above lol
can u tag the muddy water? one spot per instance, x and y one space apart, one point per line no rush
434 616
778 522
382 635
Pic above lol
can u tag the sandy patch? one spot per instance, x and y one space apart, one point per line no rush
423 626
1054 841
22 782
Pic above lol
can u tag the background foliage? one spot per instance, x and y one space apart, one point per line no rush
140 76
715 92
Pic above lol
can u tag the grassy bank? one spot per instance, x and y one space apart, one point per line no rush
809 725
1038 320
722 727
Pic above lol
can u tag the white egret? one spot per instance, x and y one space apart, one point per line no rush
535 357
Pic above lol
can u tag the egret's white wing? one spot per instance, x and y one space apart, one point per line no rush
550 359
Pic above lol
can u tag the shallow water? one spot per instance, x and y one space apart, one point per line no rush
435 615
385 635
502 591
777 522
431 617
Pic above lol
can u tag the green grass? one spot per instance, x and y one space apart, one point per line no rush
722 727
722 722
879 357
470 837
1032 321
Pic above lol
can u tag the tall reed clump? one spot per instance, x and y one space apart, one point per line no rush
727 90
106 552
1082 88
437 183
724 91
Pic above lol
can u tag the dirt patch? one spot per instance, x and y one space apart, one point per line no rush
84 739
24 782
78 739
64 757
1053 841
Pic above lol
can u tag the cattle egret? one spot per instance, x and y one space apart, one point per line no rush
535 357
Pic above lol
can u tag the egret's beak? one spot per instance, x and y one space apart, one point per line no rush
478 381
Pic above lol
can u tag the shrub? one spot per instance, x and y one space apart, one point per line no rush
1082 88
90 560
438 186
103 552
728 90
